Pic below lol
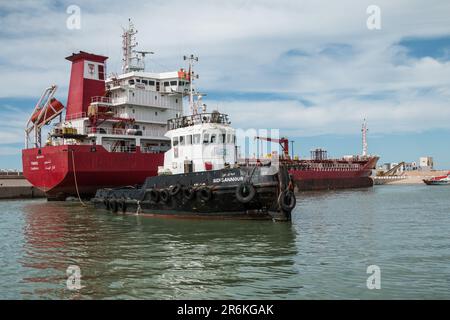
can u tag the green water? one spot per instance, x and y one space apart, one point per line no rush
323 253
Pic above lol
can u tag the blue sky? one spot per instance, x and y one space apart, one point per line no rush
309 68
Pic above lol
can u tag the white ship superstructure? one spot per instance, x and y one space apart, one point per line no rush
134 110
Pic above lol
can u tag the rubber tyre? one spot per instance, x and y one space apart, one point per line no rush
204 194
164 195
288 200
188 193
154 196
122 206
245 192
114 206
175 189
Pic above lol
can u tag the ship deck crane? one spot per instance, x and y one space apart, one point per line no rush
284 143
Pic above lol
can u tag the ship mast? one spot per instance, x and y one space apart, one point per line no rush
132 60
364 138
192 92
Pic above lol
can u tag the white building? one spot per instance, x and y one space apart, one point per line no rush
426 163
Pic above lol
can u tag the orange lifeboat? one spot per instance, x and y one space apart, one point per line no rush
53 108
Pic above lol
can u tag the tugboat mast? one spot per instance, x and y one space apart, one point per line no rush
192 91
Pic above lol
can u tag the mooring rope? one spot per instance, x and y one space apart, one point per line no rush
75 178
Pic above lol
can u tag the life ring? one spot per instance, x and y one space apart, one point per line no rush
164 195
288 200
114 206
188 193
204 194
245 192
175 189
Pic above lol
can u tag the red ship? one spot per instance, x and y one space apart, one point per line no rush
321 173
113 131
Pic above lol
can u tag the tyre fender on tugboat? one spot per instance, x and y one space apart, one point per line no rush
245 192
164 195
188 193
204 194
114 205
175 189
106 204
287 200
121 205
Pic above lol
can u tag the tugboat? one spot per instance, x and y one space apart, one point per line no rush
202 177
442 180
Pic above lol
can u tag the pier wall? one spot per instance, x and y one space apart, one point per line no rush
18 188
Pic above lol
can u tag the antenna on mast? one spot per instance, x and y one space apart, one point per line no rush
132 60
190 76
364 138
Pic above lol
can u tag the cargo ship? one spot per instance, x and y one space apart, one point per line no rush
113 130
323 173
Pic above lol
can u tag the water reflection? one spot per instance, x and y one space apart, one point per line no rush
140 257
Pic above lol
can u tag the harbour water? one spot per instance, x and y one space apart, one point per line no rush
323 254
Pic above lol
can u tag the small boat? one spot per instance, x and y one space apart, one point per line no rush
435 181
202 177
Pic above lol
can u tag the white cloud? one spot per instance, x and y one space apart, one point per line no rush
242 47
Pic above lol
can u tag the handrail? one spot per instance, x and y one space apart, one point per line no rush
101 99
75 116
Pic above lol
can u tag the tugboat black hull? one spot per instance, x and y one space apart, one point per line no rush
261 193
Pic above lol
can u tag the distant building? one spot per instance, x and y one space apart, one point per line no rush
426 163
409 166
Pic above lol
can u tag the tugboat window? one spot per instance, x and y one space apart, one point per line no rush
181 140
175 141
189 139
151 82
206 138
196 139
222 138
173 83
213 138
166 84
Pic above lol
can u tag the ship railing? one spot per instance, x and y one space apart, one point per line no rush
100 99
153 149
4 172
186 121
134 132
123 149
75 116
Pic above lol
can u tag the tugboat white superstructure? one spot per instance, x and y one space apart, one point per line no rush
201 176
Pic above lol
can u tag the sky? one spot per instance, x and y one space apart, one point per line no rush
312 69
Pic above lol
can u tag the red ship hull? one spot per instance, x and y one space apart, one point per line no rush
332 174
54 169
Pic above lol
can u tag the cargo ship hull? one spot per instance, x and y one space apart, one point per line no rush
332 174
60 170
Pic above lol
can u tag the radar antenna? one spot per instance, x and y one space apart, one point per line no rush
191 75
132 60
